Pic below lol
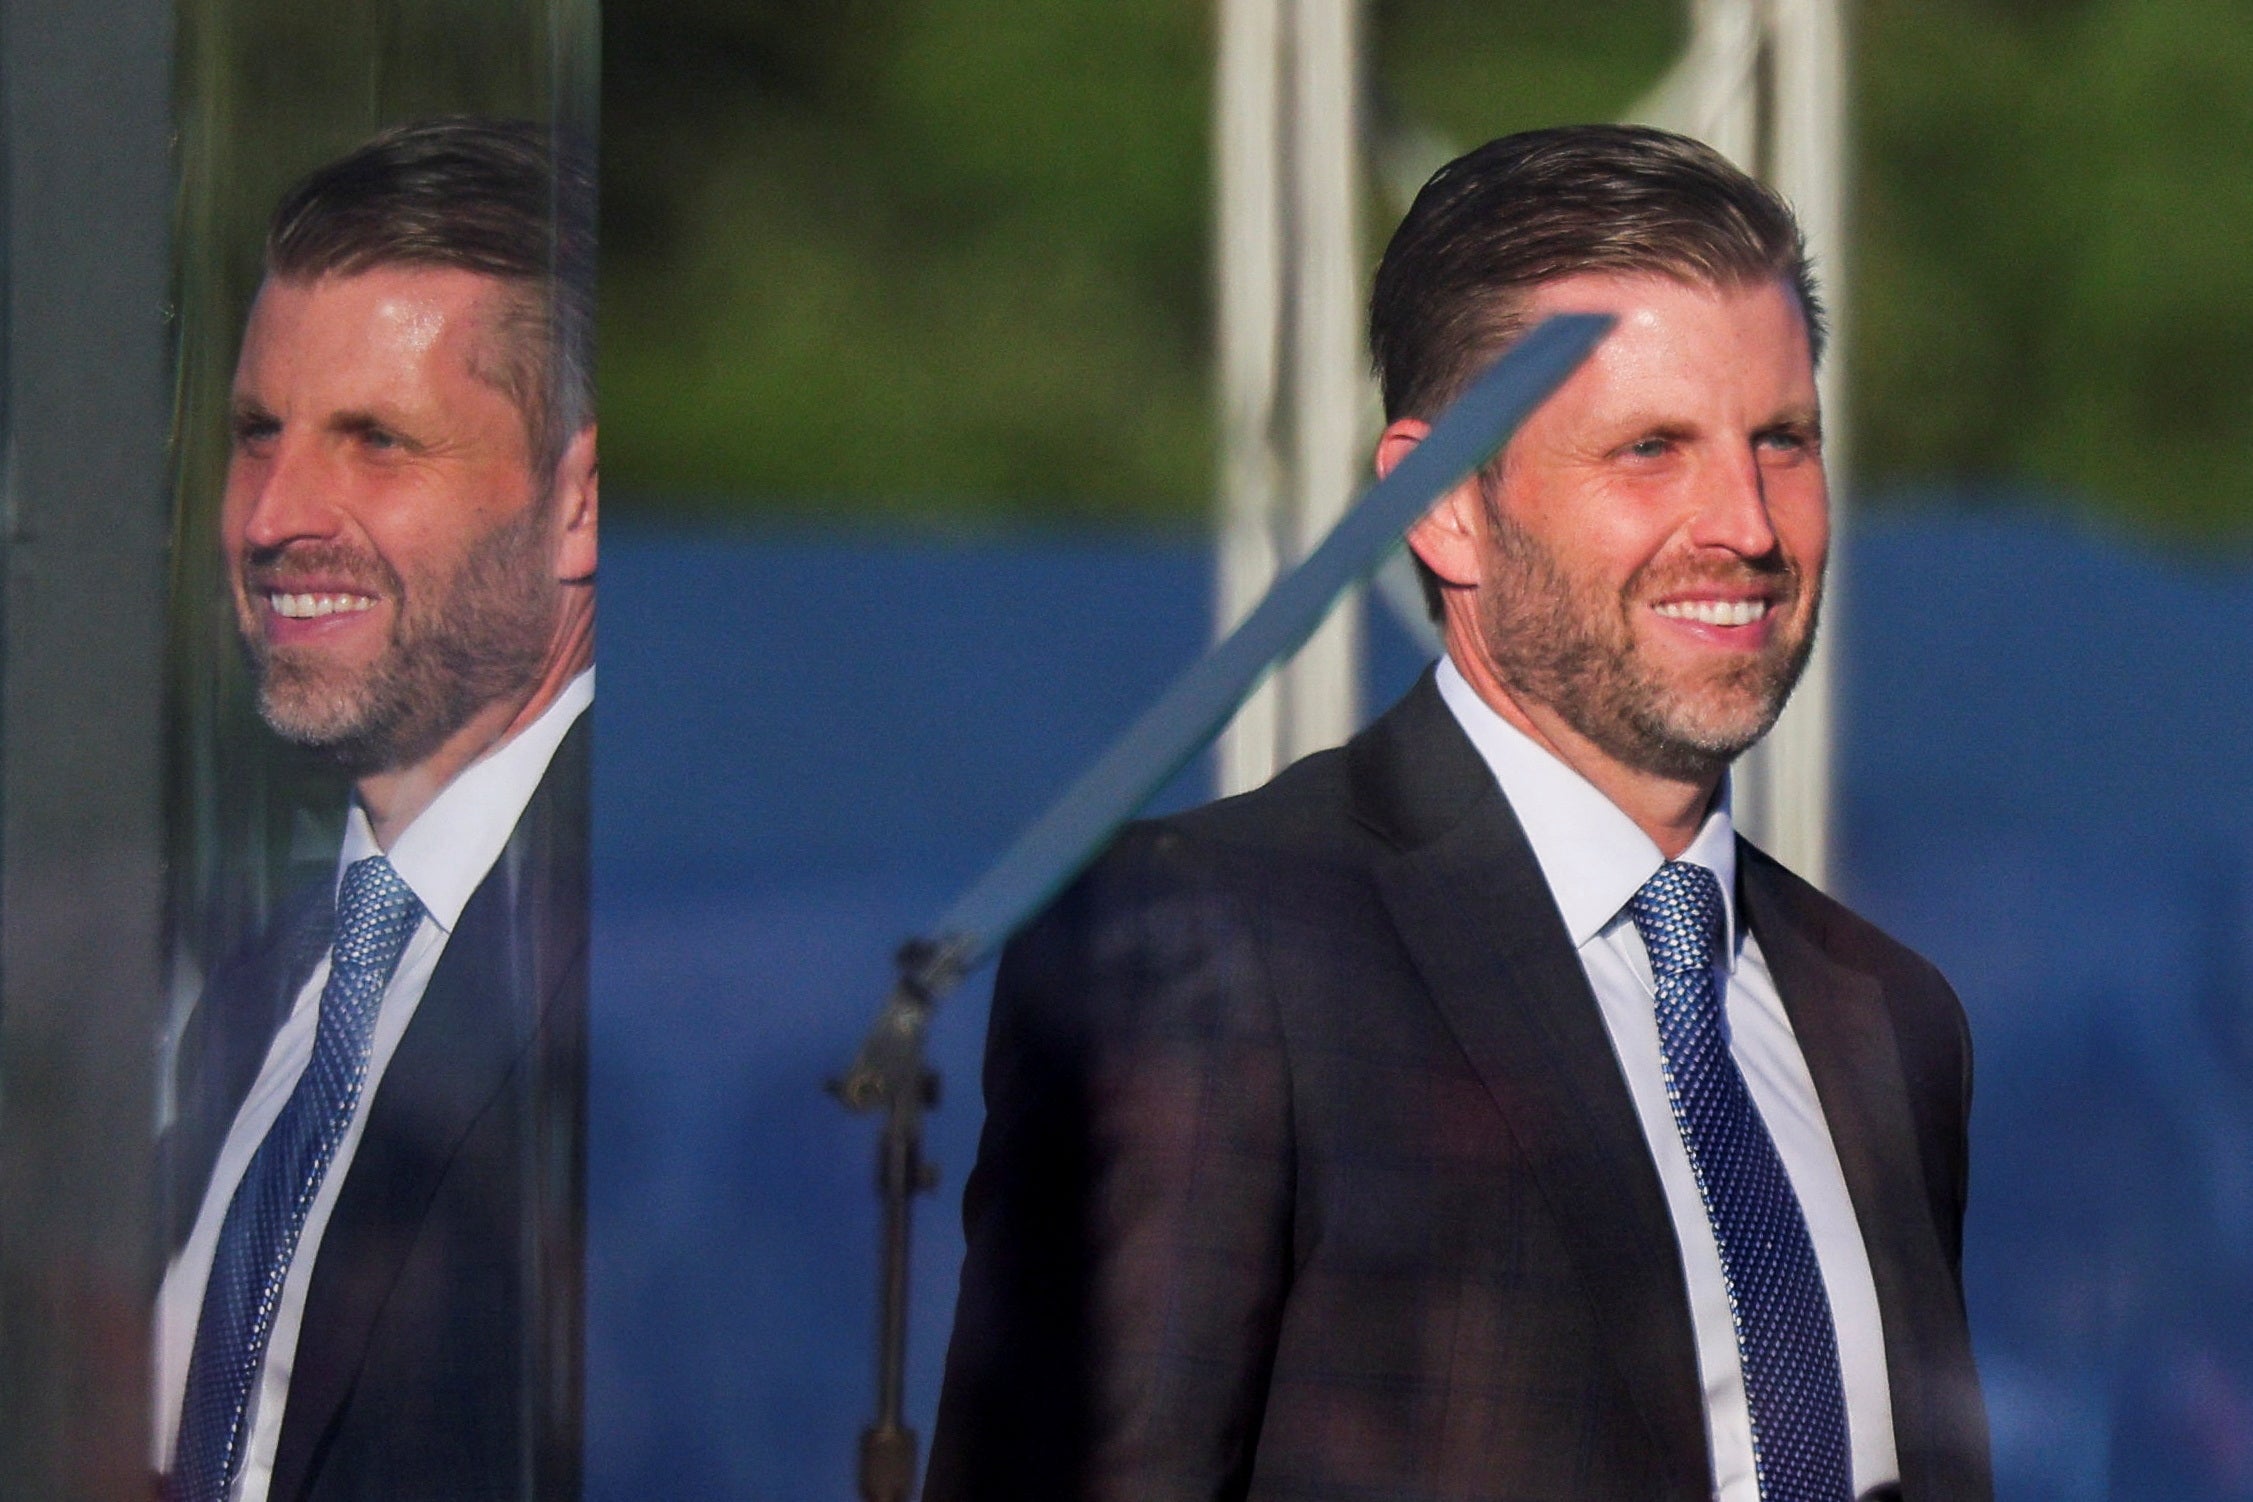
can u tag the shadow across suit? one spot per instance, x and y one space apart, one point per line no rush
1309 1172
440 1353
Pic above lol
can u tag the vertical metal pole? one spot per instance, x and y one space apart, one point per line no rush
888 1446
1288 153
1789 776
85 118
1248 262
1322 685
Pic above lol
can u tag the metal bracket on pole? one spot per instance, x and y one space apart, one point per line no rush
891 1075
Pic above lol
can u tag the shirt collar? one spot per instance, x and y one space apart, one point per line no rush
449 847
1592 854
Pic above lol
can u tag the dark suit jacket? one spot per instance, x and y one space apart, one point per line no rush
440 1355
1308 1171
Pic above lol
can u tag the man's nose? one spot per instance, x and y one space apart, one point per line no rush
287 494
1732 508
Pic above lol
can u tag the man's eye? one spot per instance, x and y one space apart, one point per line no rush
1647 448
250 430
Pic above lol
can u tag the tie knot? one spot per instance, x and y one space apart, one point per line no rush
1678 913
375 912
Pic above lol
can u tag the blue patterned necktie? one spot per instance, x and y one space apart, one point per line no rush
1785 1340
375 915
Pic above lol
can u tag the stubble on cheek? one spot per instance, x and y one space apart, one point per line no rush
1579 648
306 694
455 643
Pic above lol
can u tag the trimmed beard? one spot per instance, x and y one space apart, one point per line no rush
459 642
1573 647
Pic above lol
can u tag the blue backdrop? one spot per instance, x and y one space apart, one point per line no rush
805 747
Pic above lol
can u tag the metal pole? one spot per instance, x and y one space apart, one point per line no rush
888 1446
1248 265
891 1075
1790 774
1322 685
1288 258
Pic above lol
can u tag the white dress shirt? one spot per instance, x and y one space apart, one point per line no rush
442 857
1595 859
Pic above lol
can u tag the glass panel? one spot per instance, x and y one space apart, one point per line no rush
371 1121
84 396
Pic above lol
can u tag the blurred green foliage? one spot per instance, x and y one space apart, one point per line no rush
908 251
950 256
2051 250
947 258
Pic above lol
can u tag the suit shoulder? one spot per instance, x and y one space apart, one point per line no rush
1194 892
1843 933
1305 808
1236 853
1156 877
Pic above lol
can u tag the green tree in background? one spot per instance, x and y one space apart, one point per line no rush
2051 246
919 253
948 258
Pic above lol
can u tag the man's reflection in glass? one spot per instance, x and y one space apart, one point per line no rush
375 1268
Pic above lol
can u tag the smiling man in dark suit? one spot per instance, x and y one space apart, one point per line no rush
375 1280
1470 1113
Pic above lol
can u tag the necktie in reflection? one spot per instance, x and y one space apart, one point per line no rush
1786 1343
375 915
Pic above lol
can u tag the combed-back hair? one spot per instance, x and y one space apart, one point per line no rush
509 199
1495 224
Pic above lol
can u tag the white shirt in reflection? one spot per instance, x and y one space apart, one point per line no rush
442 856
1595 859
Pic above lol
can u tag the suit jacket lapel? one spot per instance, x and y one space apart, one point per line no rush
457 1054
1845 1032
1476 916
454 1056
245 1002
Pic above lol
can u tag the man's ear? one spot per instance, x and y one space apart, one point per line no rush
1446 537
578 479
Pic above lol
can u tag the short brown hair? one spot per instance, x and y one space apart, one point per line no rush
509 199
1495 224
1528 209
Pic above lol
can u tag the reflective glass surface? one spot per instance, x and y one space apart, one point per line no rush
371 1115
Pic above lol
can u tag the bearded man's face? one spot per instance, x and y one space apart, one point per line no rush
1653 549
389 548
1570 642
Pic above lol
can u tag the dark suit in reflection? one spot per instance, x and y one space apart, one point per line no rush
440 1354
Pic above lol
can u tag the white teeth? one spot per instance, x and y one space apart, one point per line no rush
302 607
1715 612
